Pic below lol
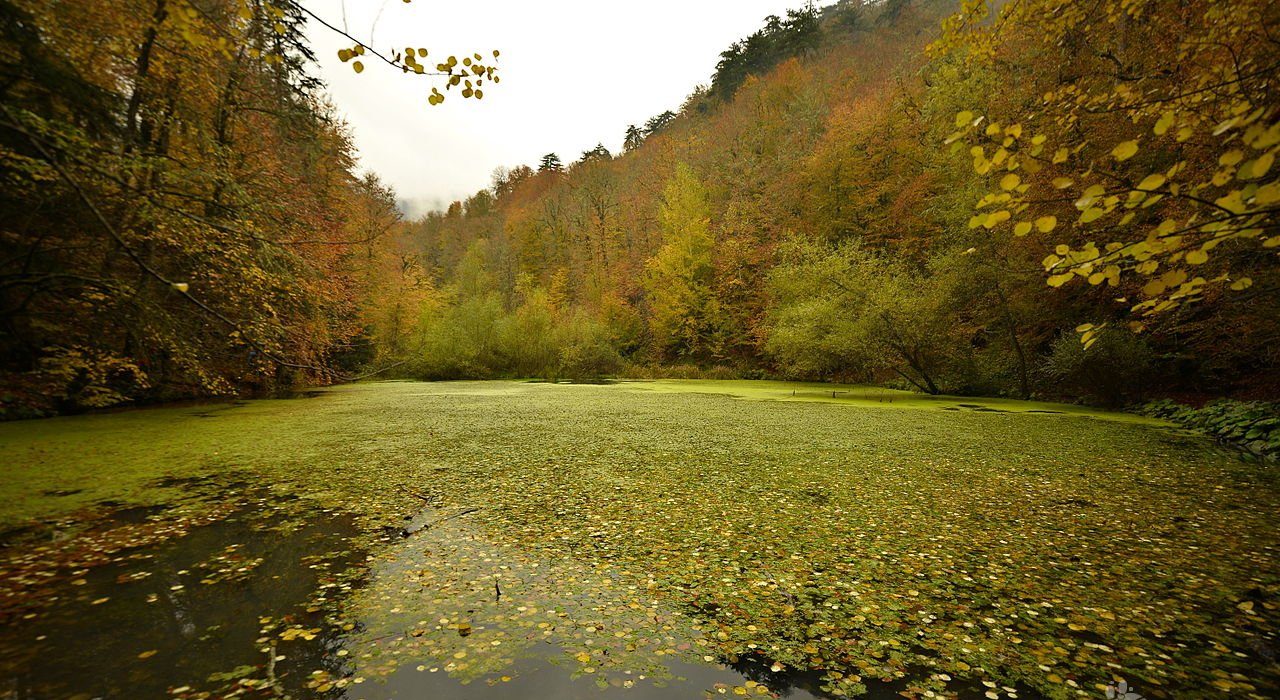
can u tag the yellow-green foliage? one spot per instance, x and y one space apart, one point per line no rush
1148 150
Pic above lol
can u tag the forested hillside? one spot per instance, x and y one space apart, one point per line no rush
1055 201
811 213
179 216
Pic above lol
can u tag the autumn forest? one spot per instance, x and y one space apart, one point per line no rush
861 192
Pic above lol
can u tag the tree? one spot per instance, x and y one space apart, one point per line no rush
1113 371
1148 152
633 139
659 122
843 311
679 278
550 164
181 215
778 40
596 154
850 14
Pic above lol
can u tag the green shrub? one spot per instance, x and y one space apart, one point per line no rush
1253 426
1113 371
586 350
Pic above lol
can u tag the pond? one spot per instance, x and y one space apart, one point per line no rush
639 540
255 599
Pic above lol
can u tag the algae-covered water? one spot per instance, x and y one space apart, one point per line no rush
639 540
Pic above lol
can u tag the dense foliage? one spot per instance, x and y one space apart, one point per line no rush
813 214
1252 425
870 191
179 213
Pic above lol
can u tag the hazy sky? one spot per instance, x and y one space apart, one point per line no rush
574 73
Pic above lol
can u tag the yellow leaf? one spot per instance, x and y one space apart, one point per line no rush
1231 157
1022 228
1151 182
1091 214
1046 224
1242 284
1268 194
1059 280
357 67
1089 196
1257 167
1010 181
1197 257
1062 183
996 218
1125 150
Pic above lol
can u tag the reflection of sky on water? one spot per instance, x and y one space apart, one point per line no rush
450 614
177 614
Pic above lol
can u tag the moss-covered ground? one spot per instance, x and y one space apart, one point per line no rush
940 542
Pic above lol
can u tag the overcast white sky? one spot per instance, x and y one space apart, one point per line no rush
574 73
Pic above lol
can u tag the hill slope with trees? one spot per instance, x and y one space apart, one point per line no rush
906 191
1026 199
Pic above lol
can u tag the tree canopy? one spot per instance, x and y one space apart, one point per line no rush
886 196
